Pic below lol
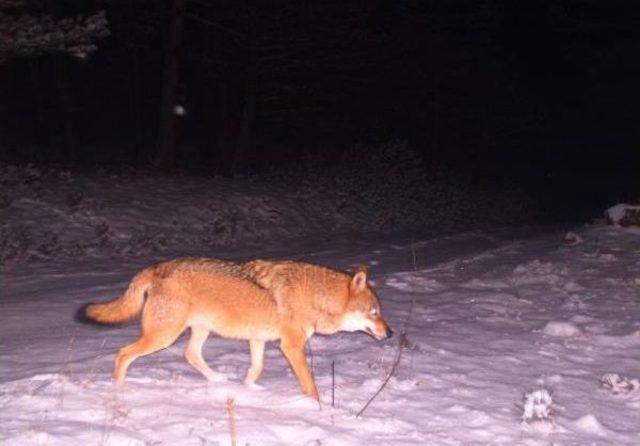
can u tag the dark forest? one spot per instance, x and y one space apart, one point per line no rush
541 95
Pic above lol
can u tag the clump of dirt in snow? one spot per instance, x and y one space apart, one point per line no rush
571 238
538 410
618 384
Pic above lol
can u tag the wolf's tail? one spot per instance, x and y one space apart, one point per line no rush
125 307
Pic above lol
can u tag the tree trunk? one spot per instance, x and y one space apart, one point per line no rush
435 124
167 132
249 108
5 110
65 99
39 139
222 138
134 93
221 128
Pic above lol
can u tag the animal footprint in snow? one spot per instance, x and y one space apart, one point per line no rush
617 384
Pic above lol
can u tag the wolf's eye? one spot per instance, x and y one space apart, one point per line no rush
374 312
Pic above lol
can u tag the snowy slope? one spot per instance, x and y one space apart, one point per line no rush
490 316
50 214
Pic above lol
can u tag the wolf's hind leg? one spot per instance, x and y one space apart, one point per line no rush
257 360
160 329
147 344
193 353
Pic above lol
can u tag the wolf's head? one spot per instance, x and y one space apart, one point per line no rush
363 309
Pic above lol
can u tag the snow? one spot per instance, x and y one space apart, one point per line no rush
618 212
50 214
490 317
537 405
561 329
591 425
538 412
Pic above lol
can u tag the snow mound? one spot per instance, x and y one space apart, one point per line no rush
623 215
591 425
561 329
537 271
413 282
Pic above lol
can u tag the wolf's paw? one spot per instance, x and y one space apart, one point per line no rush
305 402
217 377
252 385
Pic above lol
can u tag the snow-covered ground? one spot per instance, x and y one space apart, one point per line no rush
48 214
491 317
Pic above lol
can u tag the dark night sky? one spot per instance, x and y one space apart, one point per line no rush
542 94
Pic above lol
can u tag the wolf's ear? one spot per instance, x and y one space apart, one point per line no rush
359 280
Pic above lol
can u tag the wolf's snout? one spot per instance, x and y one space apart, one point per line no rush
389 333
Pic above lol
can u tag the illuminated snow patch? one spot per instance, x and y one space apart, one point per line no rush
561 329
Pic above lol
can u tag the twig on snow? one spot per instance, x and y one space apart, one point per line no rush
402 342
333 383
231 411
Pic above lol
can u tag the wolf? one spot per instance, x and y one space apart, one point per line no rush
257 301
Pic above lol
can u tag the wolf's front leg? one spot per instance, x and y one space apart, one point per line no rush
193 353
257 360
292 345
